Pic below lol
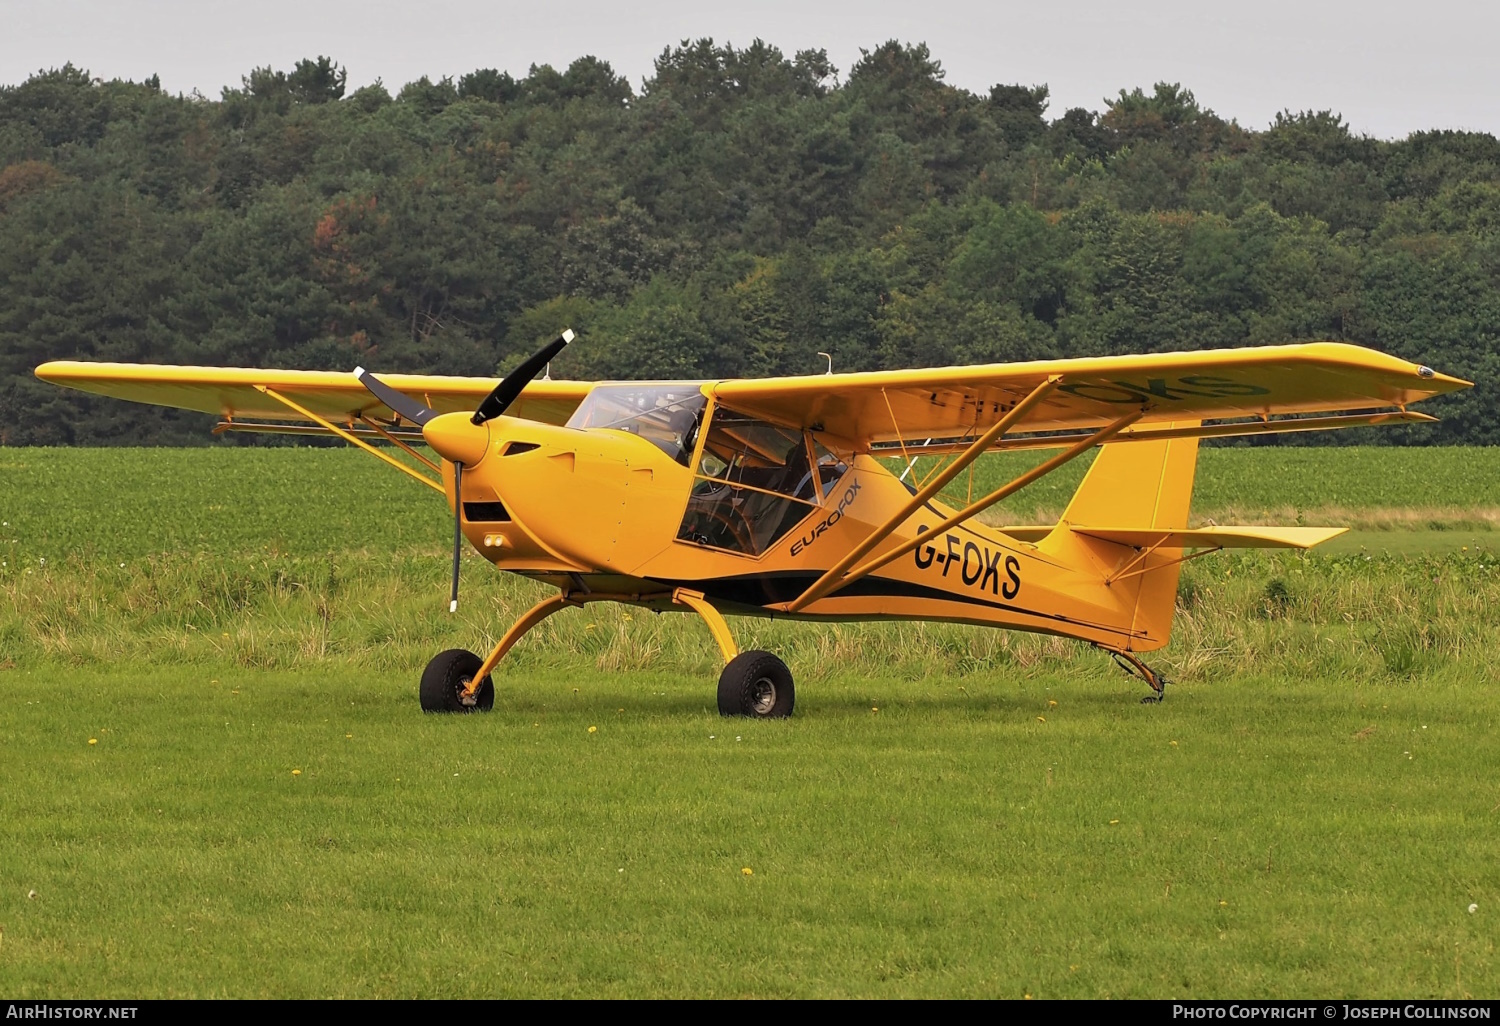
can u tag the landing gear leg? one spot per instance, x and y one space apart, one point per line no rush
1128 662
754 684
695 601
455 688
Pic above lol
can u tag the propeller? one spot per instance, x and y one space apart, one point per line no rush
399 402
496 403
458 532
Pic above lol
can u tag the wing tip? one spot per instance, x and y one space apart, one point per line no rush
59 372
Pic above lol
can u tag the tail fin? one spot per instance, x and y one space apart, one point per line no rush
1137 485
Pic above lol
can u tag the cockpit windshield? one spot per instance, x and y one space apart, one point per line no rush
665 415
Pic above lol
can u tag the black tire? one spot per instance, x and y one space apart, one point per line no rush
445 678
756 684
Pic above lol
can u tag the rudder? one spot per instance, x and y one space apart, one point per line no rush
1140 485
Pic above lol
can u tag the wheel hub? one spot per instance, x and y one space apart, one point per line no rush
467 698
763 696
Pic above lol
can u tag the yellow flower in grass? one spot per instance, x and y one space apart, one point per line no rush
93 740
747 871
593 730
296 773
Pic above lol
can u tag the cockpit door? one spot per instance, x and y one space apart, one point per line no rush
753 482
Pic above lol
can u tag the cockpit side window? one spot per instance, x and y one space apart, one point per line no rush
745 451
667 416
755 482
831 466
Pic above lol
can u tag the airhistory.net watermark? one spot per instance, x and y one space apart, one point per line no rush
68 1010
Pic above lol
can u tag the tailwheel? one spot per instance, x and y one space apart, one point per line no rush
446 679
756 684
1131 665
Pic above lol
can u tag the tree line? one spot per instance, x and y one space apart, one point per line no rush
738 213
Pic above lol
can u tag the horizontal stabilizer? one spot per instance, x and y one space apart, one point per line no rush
1216 537
1202 538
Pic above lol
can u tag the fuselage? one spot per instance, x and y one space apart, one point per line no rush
688 494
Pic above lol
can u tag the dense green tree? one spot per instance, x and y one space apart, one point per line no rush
738 213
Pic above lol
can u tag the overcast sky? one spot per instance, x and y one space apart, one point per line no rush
1390 67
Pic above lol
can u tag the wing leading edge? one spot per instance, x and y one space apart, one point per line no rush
234 393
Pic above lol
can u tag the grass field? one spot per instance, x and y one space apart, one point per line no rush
217 782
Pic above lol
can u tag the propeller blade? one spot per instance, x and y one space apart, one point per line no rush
505 393
458 533
400 402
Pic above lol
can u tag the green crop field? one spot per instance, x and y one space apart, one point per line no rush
216 780
128 503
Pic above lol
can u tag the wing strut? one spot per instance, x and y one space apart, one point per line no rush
383 433
348 437
823 585
829 582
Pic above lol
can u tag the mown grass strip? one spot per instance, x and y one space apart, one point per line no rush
239 832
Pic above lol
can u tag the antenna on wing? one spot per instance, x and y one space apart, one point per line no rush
829 358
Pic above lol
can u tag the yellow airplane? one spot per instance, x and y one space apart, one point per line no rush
773 497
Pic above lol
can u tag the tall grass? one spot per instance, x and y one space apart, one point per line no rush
300 558
1346 616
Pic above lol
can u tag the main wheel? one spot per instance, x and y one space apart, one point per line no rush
444 679
756 684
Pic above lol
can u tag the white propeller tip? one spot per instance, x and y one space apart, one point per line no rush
568 335
453 606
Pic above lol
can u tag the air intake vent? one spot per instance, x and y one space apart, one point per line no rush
486 513
516 448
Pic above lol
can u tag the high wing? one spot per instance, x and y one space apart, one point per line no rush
870 409
238 394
